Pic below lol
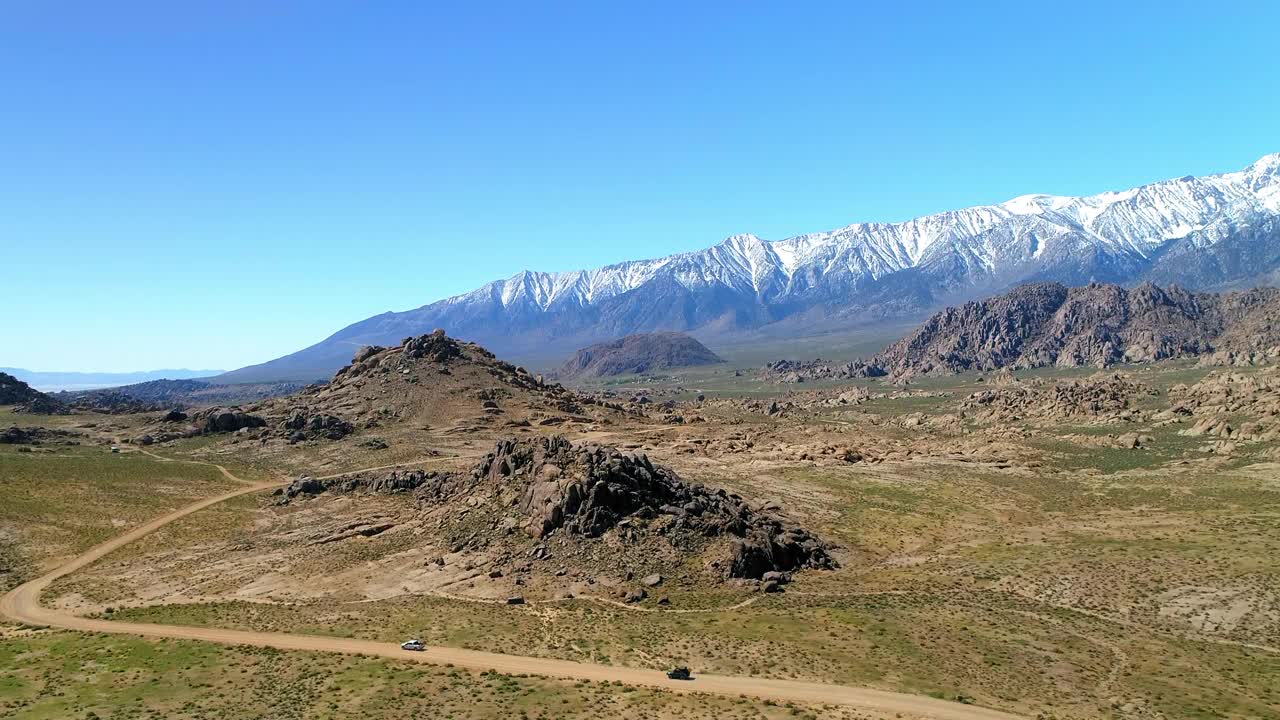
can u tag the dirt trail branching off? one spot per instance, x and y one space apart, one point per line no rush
22 604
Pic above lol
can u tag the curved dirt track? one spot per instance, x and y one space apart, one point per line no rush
23 605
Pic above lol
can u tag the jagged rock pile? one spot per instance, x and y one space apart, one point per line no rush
799 371
588 498
298 425
1241 358
433 483
224 420
589 489
1107 397
301 425
15 435
1218 398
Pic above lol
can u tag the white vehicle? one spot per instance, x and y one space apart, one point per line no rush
413 645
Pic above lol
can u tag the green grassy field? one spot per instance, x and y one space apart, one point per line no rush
63 500
63 675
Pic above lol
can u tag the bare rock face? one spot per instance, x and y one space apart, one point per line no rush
436 347
317 425
591 505
1048 324
223 420
589 490
425 481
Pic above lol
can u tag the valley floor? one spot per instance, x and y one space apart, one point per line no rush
1117 561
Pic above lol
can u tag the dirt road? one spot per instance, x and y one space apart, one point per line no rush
23 605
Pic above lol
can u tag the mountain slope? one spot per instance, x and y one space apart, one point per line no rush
645 352
1218 230
1049 324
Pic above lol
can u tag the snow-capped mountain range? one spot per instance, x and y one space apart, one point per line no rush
1203 232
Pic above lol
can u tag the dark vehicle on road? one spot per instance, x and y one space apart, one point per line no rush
680 673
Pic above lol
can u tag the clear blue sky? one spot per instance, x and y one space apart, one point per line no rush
210 185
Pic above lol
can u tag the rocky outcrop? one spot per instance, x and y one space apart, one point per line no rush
13 391
634 354
223 420
432 483
1104 397
15 435
798 371
589 490
1048 324
27 399
590 501
302 425
1230 405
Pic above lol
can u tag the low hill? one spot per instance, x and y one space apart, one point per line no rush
1049 324
170 394
436 381
632 354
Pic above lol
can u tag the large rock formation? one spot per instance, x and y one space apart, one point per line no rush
1109 396
225 420
1048 324
589 490
548 488
646 352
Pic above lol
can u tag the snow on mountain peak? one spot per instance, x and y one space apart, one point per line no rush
1266 164
1134 221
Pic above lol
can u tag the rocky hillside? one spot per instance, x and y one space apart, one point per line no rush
168 394
435 381
13 391
430 383
647 352
593 508
27 399
1049 324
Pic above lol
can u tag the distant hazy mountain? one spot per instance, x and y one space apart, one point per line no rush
1210 232
51 381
